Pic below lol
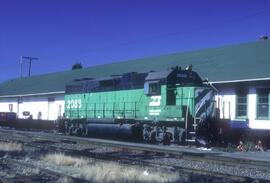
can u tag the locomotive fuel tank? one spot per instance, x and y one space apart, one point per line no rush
124 131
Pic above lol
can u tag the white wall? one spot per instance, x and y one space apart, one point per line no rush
228 97
226 102
252 115
5 102
34 104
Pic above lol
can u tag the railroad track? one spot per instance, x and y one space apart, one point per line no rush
181 151
192 174
40 175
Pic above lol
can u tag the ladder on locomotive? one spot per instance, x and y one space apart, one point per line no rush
191 130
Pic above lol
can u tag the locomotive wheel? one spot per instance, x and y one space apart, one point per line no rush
69 131
79 132
153 137
182 138
85 132
146 135
166 139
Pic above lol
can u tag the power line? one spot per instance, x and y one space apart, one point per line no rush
30 64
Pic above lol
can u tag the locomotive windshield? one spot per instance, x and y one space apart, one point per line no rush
188 78
175 76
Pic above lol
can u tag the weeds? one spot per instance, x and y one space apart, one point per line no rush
64 180
110 172
10 147
64 160
113 172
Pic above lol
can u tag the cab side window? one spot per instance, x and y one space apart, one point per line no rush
152 88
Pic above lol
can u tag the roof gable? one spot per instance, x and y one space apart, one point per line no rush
235 62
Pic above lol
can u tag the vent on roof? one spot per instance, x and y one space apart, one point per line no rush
263 37
83 79
116 75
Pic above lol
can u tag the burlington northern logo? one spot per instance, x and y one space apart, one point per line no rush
155 101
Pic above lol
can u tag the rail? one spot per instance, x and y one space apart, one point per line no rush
183 153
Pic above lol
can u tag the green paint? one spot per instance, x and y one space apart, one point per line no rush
130 104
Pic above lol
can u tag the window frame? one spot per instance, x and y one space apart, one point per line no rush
257 104
148 88
237 103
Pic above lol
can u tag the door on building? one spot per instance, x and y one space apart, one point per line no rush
59 110
226 109
19 106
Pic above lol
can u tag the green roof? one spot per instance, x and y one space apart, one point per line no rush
228 63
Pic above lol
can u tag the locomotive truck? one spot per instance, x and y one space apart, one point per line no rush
173 105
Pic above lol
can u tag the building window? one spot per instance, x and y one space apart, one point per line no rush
20 100
51 99
241 106
10 107
263 106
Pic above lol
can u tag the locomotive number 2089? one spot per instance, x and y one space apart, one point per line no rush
74 104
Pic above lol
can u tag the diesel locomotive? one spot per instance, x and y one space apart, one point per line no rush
173 105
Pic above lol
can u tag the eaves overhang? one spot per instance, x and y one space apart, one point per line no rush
32 94
238 81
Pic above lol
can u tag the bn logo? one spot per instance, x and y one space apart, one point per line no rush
155 101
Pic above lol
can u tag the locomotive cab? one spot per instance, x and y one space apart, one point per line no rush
178 101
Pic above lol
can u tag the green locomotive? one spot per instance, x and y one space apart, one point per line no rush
169 105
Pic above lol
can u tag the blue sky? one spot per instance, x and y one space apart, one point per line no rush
93 32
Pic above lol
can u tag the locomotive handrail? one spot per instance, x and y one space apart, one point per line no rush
186 122
102 109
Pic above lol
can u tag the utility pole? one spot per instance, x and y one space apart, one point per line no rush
21 58
30 64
